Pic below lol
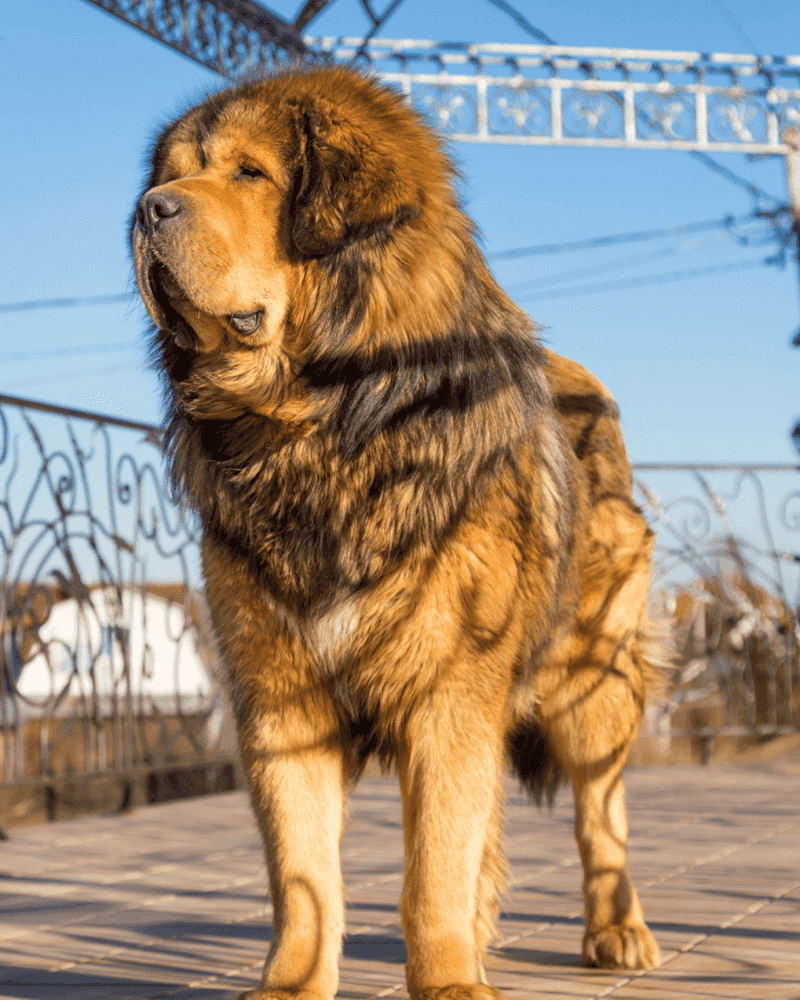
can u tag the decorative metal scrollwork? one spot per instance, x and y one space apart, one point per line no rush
223 35
607 97
107 660
726 593
790 511
743 119
589 114
453 110
519 111
789 115
668 116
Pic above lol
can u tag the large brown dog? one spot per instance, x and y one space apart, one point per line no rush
418 533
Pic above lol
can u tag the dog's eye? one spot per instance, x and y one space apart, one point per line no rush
246 170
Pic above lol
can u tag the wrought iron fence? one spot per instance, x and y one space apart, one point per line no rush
725 597
108 661
106 654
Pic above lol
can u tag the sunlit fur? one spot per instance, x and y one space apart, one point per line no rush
418 533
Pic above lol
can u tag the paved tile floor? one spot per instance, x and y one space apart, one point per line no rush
169 902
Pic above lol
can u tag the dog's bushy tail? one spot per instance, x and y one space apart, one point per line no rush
534 763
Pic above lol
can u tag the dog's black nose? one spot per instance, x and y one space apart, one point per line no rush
156 206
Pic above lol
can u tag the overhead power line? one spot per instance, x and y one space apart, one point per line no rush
642 258
729 222
523 22
748 41
651 279
753 189
64 376
65 303
56 352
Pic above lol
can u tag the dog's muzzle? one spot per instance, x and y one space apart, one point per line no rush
158 207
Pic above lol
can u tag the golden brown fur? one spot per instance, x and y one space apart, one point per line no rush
418 533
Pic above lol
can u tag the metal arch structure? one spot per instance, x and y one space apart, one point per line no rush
224 35
228 36
563 96
511 94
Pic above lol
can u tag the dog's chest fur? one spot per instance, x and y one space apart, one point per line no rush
328 635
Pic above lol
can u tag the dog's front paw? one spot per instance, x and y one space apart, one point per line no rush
472 991
621 946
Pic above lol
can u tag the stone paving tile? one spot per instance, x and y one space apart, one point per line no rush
170 901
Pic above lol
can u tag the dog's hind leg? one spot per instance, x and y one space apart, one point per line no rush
590 712
591 739
615 934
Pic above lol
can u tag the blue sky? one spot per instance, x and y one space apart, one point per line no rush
702 369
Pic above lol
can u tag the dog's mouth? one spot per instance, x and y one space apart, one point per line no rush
167 302
164 288
245 324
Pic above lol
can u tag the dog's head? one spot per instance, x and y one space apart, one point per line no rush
260 183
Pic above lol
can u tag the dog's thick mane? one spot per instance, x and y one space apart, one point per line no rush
296 457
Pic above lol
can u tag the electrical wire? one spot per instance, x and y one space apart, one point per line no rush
61 376
671 251
526 25
65 303
652 279
753 189
637 236
64 351
748 41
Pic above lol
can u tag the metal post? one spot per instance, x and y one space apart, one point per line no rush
791 138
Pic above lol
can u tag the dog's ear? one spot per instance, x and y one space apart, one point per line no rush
349 184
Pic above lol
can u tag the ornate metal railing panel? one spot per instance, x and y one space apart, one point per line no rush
106 656
519 94
725 595
227 36
552 95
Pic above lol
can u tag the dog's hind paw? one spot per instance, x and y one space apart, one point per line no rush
621 946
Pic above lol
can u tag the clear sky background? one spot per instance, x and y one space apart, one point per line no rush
702 369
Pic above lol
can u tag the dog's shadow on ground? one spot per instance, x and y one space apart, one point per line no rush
531 957
375 948
366 947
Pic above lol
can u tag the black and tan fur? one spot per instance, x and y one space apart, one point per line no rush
418 534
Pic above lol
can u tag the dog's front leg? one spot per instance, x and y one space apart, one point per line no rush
450 766
294 766
291 748
290 742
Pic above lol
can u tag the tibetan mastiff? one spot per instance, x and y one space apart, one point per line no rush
418 535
